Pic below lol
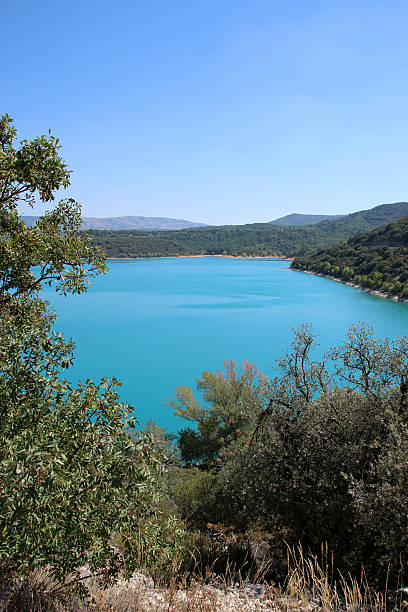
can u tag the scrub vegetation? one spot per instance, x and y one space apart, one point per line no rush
316 454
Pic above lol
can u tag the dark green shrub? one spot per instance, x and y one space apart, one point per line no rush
316 464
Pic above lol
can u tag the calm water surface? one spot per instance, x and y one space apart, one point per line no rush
157 323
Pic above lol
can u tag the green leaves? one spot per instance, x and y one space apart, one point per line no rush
71 474
54 250
33 169
317 454
234 400
74 476
328 457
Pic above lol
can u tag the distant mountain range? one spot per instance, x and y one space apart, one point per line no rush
128 223
297 219
256 239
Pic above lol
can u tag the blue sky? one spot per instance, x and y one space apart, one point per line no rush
220 111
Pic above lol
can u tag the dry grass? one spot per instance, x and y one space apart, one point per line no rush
311 582
37 592
310 585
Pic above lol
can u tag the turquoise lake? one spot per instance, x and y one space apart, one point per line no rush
157 323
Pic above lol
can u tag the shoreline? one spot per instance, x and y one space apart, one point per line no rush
376 292
278 257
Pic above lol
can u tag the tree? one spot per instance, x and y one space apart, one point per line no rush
320 462
72 477
322 459
53 245
234 399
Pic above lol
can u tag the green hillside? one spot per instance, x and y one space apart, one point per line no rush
376 260
297 219
257 239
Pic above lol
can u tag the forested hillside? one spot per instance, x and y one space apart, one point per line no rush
298 219
376 260
257 239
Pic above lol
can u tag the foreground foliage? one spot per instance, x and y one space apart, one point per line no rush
309 586
321 455
75 486
71 475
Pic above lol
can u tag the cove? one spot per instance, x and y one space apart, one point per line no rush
157 323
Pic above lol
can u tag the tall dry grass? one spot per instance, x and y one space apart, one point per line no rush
311 584
313 581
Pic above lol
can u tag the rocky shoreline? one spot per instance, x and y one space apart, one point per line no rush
381 294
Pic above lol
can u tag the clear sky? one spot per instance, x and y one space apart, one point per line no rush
220 111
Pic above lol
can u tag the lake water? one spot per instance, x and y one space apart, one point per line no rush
157 323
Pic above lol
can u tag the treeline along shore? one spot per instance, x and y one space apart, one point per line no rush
376 261
374 258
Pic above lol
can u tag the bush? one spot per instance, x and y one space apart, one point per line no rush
325 459
322 454
199 497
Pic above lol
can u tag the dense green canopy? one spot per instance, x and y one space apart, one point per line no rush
377 260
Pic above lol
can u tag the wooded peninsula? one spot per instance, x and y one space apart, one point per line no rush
376 260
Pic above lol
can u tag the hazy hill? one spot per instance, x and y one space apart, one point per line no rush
129 223
377 260
298 219
257 239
